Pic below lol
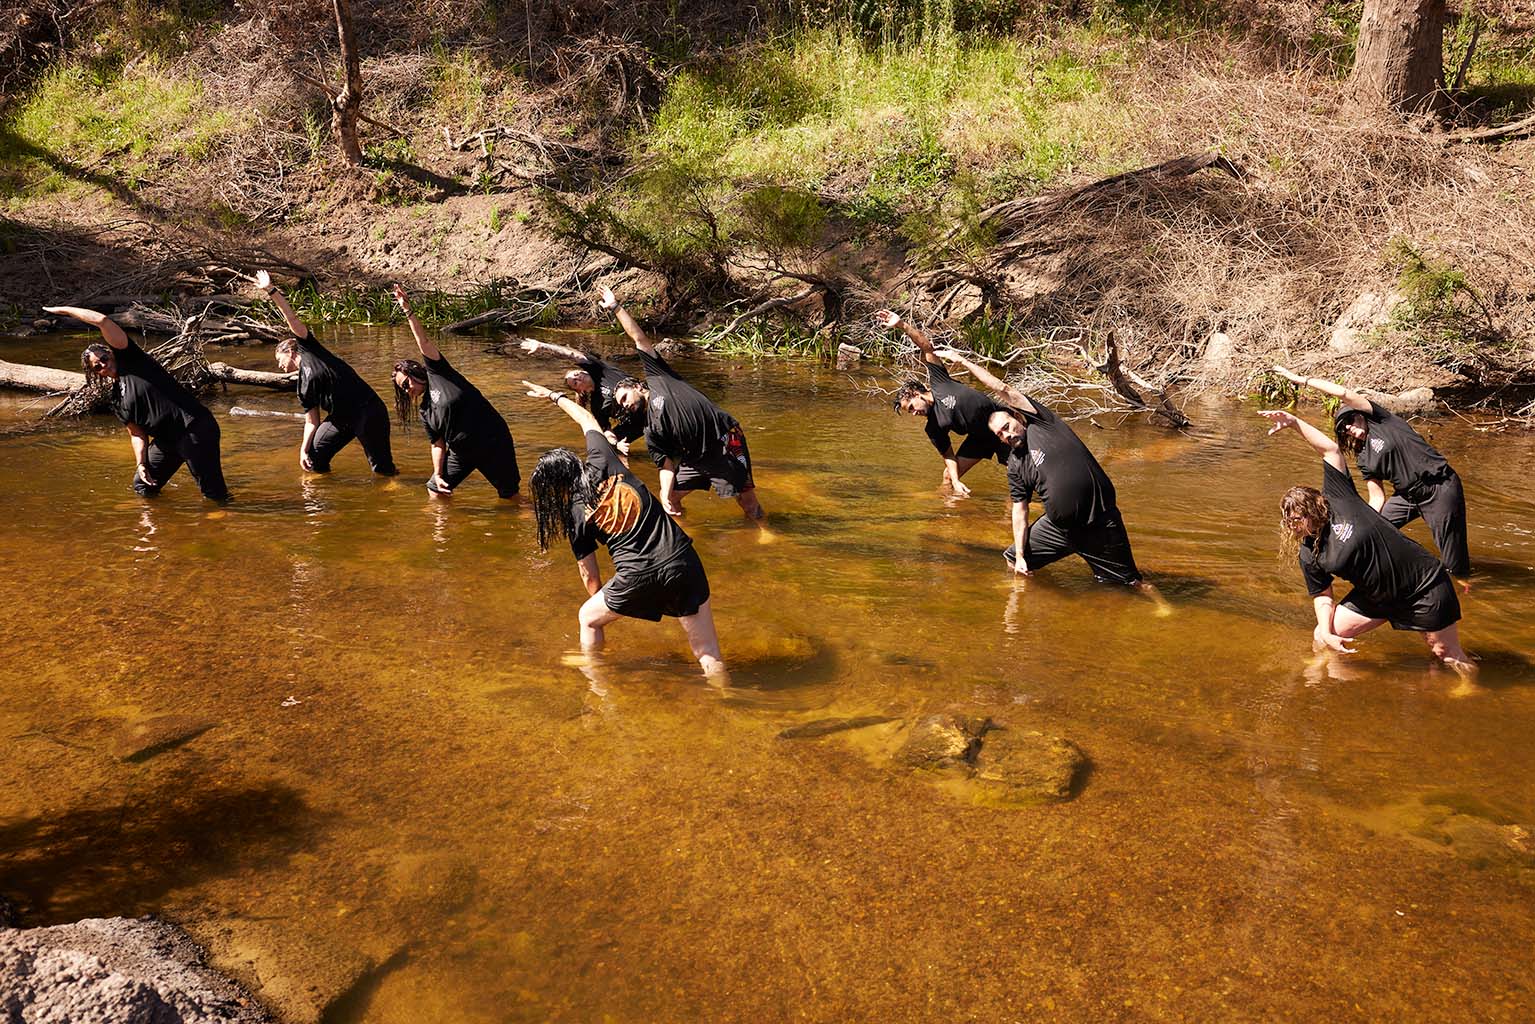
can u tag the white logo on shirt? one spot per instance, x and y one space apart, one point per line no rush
1376 444
436 396
947 401
658 403
1038 456
1343 531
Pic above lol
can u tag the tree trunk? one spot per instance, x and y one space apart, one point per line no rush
39 378
1399 60
345 106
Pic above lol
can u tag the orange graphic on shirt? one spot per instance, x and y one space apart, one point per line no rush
618 507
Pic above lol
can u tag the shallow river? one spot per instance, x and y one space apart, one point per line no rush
406 770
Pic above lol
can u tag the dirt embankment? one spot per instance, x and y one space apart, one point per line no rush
1349 245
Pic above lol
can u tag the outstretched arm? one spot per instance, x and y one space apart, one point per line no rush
110 331
532 347
575 410
1009 394
425 344
1353 399
890 319
628 323
1020 536
264 282
1325 446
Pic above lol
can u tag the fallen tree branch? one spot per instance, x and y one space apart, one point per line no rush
1512 130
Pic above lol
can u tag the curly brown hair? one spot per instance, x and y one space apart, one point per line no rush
1303 512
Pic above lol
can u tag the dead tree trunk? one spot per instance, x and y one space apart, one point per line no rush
348 102
1399 61
43 379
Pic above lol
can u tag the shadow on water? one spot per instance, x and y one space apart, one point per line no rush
801 676
108 860
1493 570
1503 669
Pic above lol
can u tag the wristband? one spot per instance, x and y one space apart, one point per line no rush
555 397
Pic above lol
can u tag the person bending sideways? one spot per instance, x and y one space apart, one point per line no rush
328 386
1046 459
592 380
595 501
166 423
695 443
1387 448
466 431
1338 535
950 408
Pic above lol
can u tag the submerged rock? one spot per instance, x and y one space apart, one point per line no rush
301 976
139 741
827 726
115 970
939 742
1028 766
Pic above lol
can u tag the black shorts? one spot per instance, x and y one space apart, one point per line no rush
677 588
728 471
1104 546
495 457
982 445
1434 609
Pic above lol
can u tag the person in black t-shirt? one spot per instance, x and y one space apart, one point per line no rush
1337 534
466 431
593 380
328 384
597 501
695 443
1387 448
950 408
1047 459
166 423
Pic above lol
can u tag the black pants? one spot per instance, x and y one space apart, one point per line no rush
1104 546
496 459
198 447
1442 505
371 427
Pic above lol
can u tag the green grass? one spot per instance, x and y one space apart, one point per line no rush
84 124
891 124
377 305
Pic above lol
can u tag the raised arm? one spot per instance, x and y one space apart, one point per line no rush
1009 394
532 347
274 294
428 349
575 410
1353 399
1325 446
890 319
628 323
110 331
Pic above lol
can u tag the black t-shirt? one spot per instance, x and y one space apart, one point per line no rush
1384 565
605 377
680 423
453 410
639 534
147 396
1396 452
328 382
1052 462
957 408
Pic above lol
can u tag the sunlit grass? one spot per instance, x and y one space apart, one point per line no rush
80 121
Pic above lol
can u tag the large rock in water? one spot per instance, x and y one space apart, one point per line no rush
115 971
1026 766
939 742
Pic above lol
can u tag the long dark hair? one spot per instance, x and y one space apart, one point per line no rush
1351 418
559 476
102 354
402 403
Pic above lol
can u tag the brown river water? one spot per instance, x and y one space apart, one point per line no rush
403 767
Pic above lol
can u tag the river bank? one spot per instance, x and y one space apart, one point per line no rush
770 185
